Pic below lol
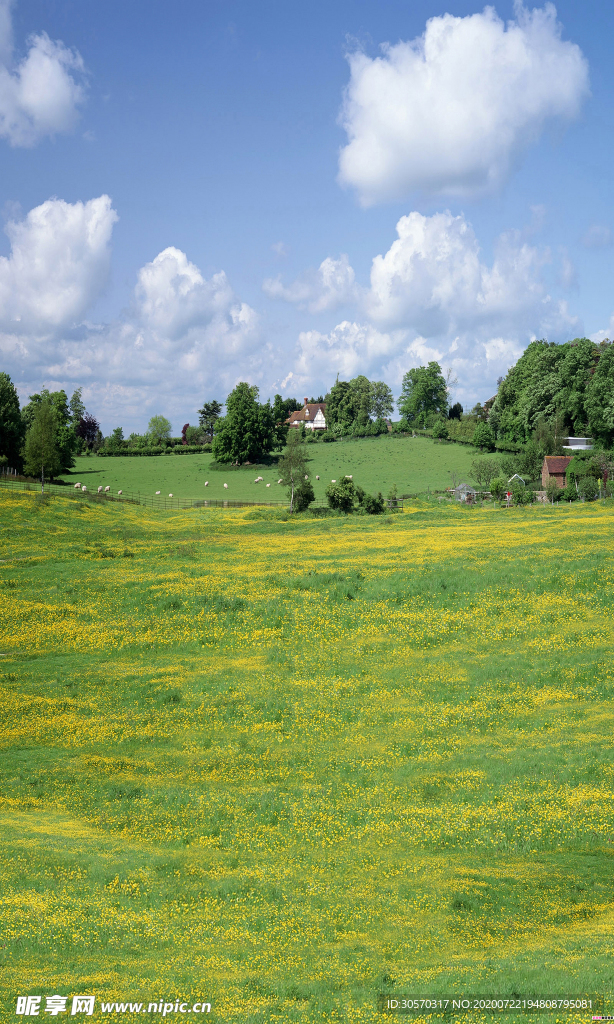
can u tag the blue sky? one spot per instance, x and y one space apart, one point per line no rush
200 193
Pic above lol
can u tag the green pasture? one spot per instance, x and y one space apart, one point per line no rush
286 764
415 465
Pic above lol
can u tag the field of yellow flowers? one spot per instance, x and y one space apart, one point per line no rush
284 765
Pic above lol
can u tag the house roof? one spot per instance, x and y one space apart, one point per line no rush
308 412
557 463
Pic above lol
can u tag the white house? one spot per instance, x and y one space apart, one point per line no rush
312 416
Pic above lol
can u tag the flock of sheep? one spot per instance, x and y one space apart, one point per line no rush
258 480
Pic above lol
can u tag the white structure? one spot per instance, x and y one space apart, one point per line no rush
311 416
578 444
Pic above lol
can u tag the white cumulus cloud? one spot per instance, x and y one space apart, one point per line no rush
451 111
41 95
330 286
58 264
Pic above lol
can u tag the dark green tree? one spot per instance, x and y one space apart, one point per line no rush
440 429
247 431
341 495
41 452
208 417
456 412
599 401
483 437
424 391
293 470
12 426
66 438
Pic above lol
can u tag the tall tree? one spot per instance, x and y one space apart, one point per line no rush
208 417
42 455
66 437
382 403
76 406
247 431
158 429
424 391
292 470
12 426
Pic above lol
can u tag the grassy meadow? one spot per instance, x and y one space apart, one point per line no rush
413 464
284 765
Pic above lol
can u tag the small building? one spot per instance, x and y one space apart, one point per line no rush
516 478
555 468
465 493
312 416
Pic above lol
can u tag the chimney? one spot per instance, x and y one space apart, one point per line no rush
306 402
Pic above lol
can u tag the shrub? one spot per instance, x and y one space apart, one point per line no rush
373 504
498 487
553 491
483 437
341 496
329 437
569 493
303 496
588 488
522 495
440 430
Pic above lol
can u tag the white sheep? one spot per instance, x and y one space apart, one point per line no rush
333 481
107 488
119 492
84 488
347 477
225 487
206 483
306 476
317 477
170 495
268 485
157 492
280 481
77 486
99 489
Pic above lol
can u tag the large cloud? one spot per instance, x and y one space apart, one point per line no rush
58 265
432 296
451 111
39 96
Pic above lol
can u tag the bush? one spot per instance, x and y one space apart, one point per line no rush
553 491
440 430
522 495
329 437
373 504
303 496
588 488
483 437
341 496
569 493
498 487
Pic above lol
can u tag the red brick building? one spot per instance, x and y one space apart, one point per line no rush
555 468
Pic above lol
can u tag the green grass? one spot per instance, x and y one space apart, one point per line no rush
287 765
415 465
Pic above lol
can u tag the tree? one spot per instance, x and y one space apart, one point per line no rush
208 417
599 401
247 431
158 429
456 412
12 426
41 451
382 403
87 429
483 471
424 391
498 487
483 437
77 407
292 470
66 437
115 441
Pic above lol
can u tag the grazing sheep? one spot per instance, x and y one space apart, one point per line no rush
84 488
170 495
280 481
333 481
77 485
206 483
347 477
317 478
107 488
225 487
157 492
99 489
119 492
268 485
306 476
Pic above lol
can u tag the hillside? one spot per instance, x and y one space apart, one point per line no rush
413 464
